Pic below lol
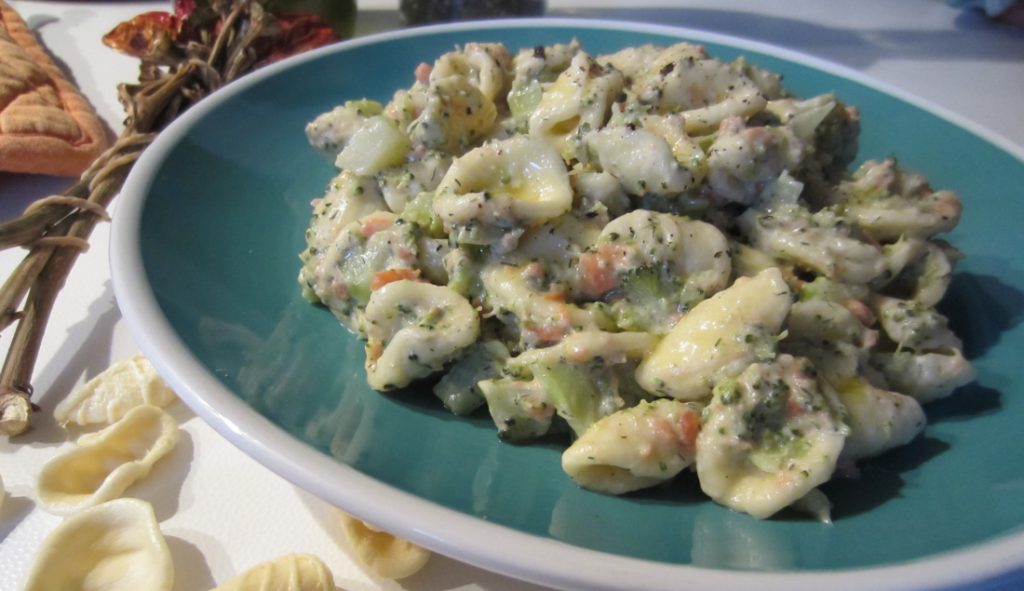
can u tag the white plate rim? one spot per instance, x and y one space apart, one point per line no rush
510 552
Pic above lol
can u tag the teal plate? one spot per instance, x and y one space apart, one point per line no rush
204 260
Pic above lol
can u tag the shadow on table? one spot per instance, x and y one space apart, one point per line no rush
20 190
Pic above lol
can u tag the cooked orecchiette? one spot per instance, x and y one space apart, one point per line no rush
685 148
887 203
580 100
925 376
539 317
651 268
641 160
366 254
388 556
573 236
706 91
485 65
107 462
534 70
635 448
920 270
549 253
501 188
743 159
414 329
770 436
913 325
693 250
719 338
818 242
115 546
879 420
331 131
410 179
633 62
600 192
110 395
831 336
292 572
348 199
802 116
456 117
521 409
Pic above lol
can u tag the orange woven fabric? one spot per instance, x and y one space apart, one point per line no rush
46 125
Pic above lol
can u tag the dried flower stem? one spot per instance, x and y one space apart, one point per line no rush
42 274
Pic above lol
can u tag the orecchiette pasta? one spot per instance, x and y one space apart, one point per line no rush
879 420
292 572
771 436
641 160
456 116
413 330
109 396
497 190
107 462
925 376
331 131
485 65
388 556
706 91
719 338
115 546
580 99
660 255
636 447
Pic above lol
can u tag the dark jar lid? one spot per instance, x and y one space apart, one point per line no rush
421 12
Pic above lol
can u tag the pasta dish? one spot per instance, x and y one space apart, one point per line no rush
664 258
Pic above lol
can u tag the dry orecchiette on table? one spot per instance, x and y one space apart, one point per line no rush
108 396
114 546
103 464
549 197
388 556
292 572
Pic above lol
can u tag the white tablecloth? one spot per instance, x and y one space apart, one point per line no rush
220 511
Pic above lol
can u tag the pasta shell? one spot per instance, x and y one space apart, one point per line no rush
107 462
292 572
719 338
389 556
109 396
414 329
770 436
519 182
116 546
635 448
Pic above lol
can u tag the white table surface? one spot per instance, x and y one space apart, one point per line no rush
220 511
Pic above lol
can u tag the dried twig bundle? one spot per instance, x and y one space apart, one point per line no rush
184 57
